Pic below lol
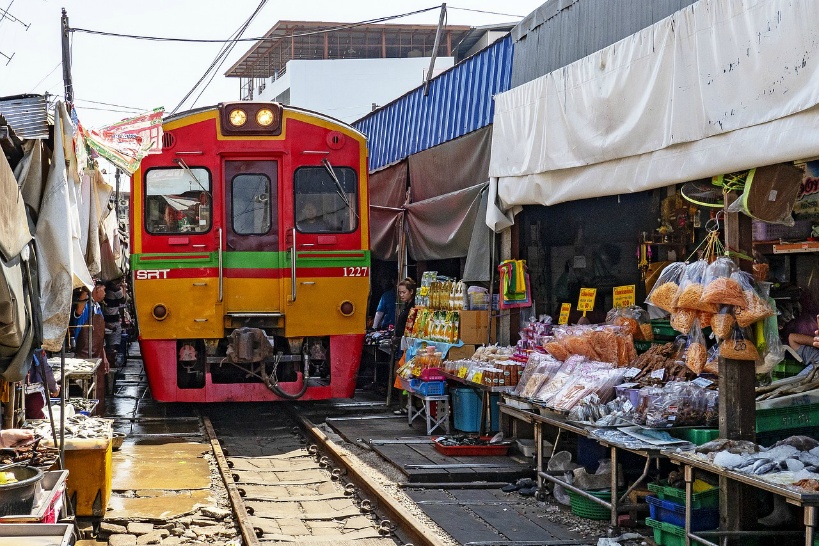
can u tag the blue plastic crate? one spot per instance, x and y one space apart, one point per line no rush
431 388
702 519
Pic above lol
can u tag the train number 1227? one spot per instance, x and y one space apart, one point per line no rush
356 271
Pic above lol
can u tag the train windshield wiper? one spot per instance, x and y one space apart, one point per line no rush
339 188
179 161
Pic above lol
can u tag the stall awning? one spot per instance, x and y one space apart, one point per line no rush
719 86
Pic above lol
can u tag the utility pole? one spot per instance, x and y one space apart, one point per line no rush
438 34
69 87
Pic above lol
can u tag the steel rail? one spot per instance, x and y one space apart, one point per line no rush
245 525
407 523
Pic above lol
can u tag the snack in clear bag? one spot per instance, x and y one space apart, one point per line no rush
556 349
697 352
682 319
754 309
720 287
712 362
605 345
722 323
665 289
704 318
691 288
580 344
634 320
739 346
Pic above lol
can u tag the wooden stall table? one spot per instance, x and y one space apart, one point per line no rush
808 501
485 393
558 422
83 371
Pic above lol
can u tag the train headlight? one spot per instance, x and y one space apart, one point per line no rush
346 308
160 312
265 117
238 117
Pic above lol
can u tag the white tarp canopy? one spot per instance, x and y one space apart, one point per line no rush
720 86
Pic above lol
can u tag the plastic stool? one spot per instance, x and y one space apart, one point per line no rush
441 417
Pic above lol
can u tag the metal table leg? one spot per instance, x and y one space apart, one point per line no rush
614 499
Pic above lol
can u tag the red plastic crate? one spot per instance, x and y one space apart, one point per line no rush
472 451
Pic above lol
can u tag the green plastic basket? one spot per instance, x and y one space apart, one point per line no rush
666 534
790 417
696 436
706 499
585 508
787 368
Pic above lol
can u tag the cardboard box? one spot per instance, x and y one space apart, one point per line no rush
461 353
474 327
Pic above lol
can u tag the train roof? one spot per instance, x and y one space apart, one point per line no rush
180 115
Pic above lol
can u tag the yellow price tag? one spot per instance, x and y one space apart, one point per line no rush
565 309
586 300
623 296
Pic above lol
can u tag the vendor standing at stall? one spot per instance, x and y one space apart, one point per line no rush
88 314
406 294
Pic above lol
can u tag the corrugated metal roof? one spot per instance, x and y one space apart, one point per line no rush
459 102
27 115
560 32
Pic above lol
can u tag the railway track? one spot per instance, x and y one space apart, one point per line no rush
290 484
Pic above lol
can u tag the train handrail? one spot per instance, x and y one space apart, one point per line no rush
293 268
221 276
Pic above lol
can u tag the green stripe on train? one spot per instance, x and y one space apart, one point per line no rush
251 260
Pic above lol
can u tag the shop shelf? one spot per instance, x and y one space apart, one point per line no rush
706 499
665 511
666 534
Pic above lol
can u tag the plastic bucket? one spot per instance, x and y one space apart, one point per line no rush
18 497
466 409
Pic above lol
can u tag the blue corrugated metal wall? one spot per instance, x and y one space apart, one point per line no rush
459 102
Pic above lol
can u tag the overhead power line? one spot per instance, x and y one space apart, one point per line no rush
488 12
220 58
260 39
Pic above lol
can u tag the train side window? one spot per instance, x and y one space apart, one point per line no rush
250 195
177 200
319 204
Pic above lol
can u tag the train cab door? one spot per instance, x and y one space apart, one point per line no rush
328 267
251 265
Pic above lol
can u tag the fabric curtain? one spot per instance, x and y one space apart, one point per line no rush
441 227
451 166
388 191
714 88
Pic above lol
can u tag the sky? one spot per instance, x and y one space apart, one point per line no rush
135 75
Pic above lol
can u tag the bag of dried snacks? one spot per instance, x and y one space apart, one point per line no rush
697 352
722 322
739 346
689 295
664 292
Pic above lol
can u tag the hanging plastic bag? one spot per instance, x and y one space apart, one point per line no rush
664 292
691 289
696 353
755 307
739 346
712 361
722 323
720 287
774 350
683 319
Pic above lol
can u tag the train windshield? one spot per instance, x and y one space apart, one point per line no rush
177 200
324 205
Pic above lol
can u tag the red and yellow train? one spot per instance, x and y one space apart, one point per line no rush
250 255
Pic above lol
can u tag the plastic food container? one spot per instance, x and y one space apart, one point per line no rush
18 497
